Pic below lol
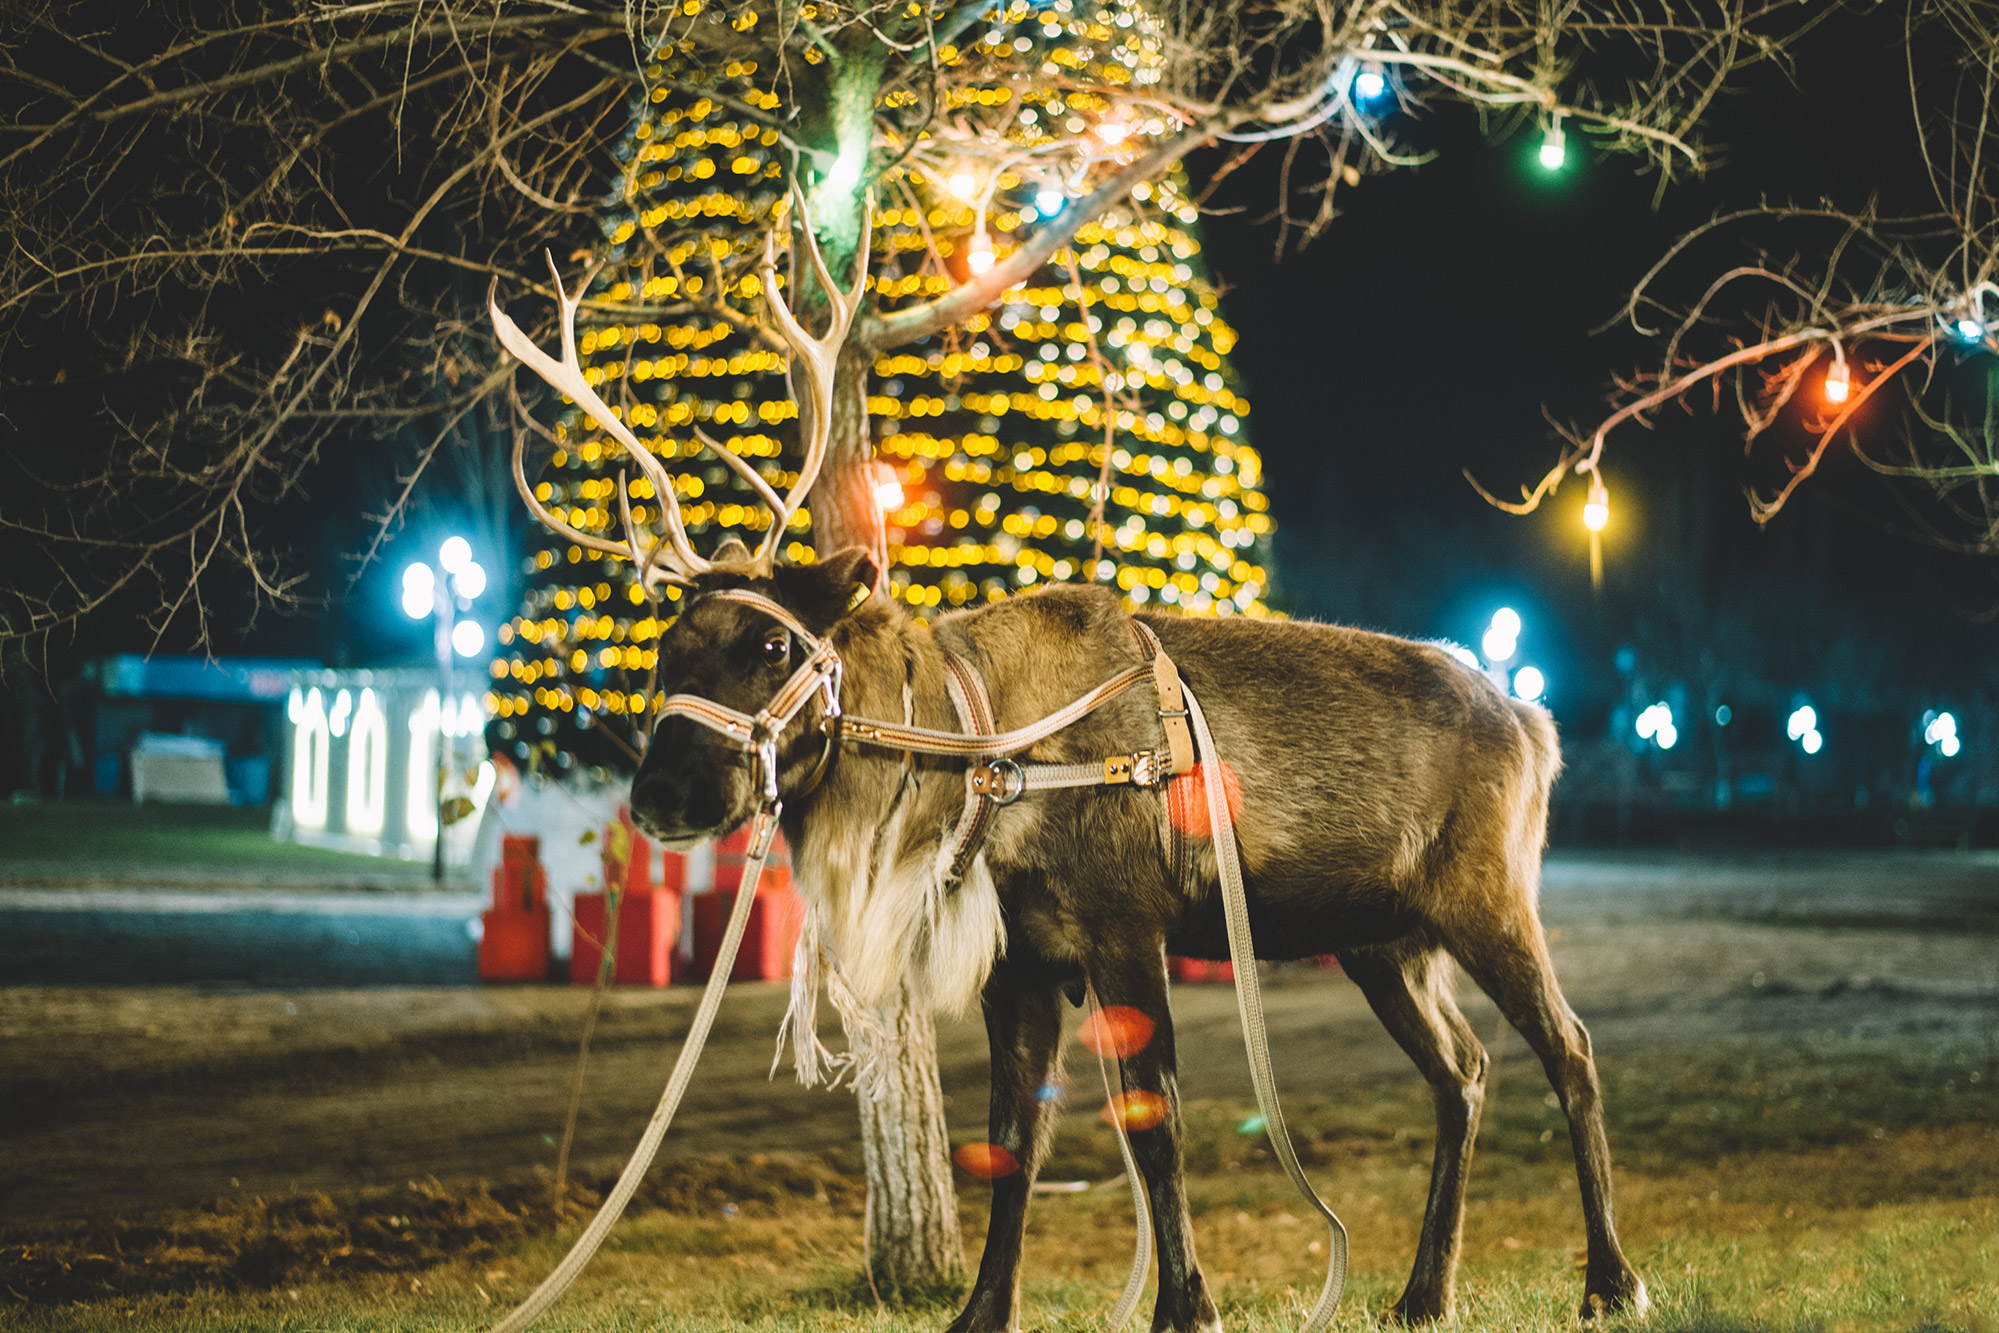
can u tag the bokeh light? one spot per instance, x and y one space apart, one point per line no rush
1135 1110
1118 1031
987 1161
1187 799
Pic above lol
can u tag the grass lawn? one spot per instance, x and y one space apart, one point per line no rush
107 834
1818 1183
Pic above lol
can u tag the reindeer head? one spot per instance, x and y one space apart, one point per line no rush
724 647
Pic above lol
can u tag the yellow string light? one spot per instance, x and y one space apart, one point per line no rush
994 436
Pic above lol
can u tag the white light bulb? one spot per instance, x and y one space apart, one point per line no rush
419 591
1970 330
468 638
1948 747
1049 201
963 184
1506 621
1113 132
1369 84
1498 647
979 258
455 554
471 580
845 173
1812 742
1529 683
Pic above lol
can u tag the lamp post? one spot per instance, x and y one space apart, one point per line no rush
426 593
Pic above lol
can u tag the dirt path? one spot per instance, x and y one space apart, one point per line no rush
121 1100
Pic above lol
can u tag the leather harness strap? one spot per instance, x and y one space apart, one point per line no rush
975 714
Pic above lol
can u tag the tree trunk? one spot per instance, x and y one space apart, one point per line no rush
914 1244
914 1247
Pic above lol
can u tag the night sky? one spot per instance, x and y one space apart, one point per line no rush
1426 331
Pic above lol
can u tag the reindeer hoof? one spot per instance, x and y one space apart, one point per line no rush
1413 1309
1624 1294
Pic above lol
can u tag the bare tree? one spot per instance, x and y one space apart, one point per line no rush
1847 330
251 238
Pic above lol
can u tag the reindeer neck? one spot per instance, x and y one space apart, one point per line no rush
893 672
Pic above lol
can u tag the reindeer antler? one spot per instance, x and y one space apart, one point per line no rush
821 356
674 560
567 376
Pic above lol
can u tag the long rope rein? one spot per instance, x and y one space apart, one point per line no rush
1249 1000
1141 1207
580 1254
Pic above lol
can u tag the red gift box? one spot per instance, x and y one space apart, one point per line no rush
648 928
519 882
514 945
776 918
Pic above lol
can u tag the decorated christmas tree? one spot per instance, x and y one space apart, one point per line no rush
1087 428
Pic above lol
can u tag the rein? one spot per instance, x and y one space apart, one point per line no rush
997 780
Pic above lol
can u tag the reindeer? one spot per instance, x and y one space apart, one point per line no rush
1392 805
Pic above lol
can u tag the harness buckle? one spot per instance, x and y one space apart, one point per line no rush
1140 769
991 780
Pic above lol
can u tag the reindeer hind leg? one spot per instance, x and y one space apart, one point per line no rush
1409 988
1504 952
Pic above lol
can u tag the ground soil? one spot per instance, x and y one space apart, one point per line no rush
123 1101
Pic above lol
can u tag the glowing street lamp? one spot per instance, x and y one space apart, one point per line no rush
1501 643
1655 724
1803 727
1940 730
438 593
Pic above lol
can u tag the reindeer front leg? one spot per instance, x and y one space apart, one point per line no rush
1024 1025
1131 975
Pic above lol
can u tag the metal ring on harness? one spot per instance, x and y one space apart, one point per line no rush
999 792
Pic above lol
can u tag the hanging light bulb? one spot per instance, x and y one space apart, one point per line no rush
1049 199
888 489
963 184
979 258
1970 330
1554 146
1596 516
1369 84
1837 385
1113 132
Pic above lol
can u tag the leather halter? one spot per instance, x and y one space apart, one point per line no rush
997 778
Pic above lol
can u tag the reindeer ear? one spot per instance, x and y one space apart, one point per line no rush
835 587
730 552
849 568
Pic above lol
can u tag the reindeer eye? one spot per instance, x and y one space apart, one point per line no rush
777 648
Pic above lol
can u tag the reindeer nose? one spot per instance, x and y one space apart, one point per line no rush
673 794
